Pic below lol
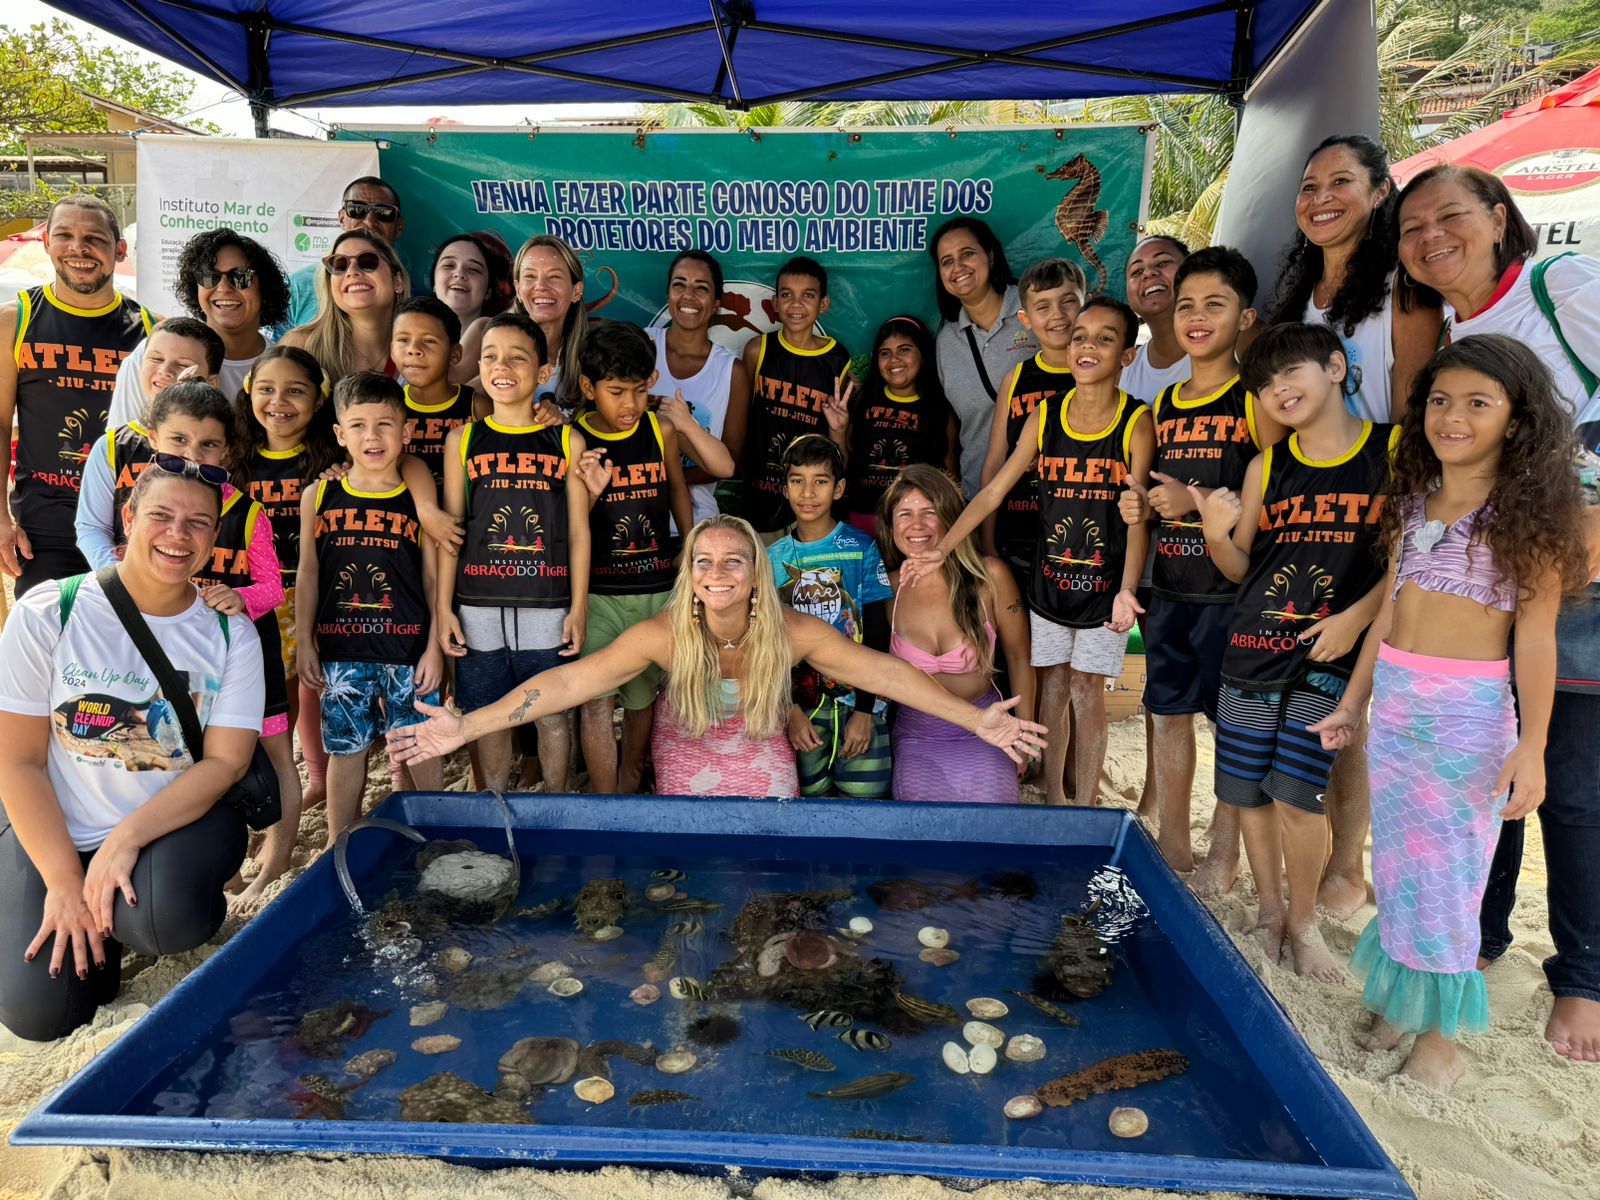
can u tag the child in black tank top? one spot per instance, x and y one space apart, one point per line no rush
1300 538
800 384
366 577
516 602
633 485
425 346
1080 451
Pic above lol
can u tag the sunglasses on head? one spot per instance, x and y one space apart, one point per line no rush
174 464
366 262
358 210
240 277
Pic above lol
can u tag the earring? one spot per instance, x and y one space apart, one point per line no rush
753 597
694 611
1405 278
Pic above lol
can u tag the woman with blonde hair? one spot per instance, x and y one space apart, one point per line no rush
948 627
727 647
548 280
359 284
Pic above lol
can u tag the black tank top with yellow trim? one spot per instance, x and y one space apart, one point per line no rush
230 556
428 425
276 480
516 553
1315 554
371 605
67 360
1016 522
1082 542
790 387
890 433
630 553
1207 441
128 453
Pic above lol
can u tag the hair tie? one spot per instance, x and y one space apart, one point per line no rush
325 388
910 321
246 384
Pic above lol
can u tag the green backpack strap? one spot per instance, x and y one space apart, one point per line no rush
69 597
1541 297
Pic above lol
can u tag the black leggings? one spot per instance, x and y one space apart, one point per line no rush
178 879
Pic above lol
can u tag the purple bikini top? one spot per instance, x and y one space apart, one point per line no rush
1448 558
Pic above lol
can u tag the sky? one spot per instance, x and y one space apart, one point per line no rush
214 102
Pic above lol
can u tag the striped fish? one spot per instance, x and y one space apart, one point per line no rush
686 987
693 927
867 1087
691 904
827 1016
669 875
865 1039
927 1011
809 1059
1044 1006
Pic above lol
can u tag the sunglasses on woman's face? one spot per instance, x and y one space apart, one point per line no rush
366 262
239 277
175 464
358 210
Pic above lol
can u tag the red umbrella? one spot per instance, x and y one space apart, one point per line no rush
1548 153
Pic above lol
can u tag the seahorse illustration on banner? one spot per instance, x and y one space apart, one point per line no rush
1080 222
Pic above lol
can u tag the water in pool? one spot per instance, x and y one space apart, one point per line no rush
632 988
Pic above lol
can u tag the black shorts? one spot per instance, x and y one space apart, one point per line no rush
277 687
1183 647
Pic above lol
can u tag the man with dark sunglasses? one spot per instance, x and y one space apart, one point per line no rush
369 203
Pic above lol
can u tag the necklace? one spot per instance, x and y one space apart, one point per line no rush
733 643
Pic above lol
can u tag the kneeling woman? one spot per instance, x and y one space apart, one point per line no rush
727 647
112 833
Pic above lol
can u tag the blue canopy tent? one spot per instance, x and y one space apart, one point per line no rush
740 53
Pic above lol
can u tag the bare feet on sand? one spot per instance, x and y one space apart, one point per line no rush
1214 876
1312 958
1436 1062
1574 1029
1341 895
314 794
252 898
235 885
1379 1035
1269 931
1179 854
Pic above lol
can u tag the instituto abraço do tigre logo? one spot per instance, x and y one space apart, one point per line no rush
515 529
1295 595
634 535
363 589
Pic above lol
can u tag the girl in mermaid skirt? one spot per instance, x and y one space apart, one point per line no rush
1482 522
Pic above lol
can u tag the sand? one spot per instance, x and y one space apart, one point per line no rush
1523 1124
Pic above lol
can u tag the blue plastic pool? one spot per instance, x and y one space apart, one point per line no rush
217 1064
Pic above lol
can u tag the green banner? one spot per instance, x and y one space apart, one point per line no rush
862 202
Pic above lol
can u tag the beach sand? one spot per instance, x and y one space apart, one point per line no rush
1523 1124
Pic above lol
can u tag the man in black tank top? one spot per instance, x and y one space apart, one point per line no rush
1300 538
66 338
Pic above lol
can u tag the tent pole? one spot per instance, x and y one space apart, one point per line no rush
257 33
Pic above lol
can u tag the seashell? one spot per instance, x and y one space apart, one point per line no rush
427 1014
454 959
676 1062
771 957
987 1009
933 937
860 926
938 956
607 933
645 993
1019 1108
565 986
439 1043
1025 1048
594 1090
1128 1122
982 1059
659 891
545 972
956 1058
980 1033
809 951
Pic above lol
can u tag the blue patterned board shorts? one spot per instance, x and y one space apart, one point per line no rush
362 701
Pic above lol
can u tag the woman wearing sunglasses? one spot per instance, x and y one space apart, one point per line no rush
112 835
235 285
360 283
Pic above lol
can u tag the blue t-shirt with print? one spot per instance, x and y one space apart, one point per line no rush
834 578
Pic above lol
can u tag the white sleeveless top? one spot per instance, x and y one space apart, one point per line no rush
1370 354
1145 382
707 393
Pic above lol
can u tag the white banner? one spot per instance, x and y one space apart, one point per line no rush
284 194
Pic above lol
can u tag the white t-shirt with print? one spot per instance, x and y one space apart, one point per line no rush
114 739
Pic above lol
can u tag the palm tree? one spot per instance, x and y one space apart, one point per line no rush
840 114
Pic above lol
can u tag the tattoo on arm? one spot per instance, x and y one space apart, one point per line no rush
1014 606
528 697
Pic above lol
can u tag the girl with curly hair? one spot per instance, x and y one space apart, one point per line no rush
235 285
1340 271
1483 525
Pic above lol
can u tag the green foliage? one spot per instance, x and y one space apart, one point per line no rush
837 114
43 68
1460 17
1573 24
